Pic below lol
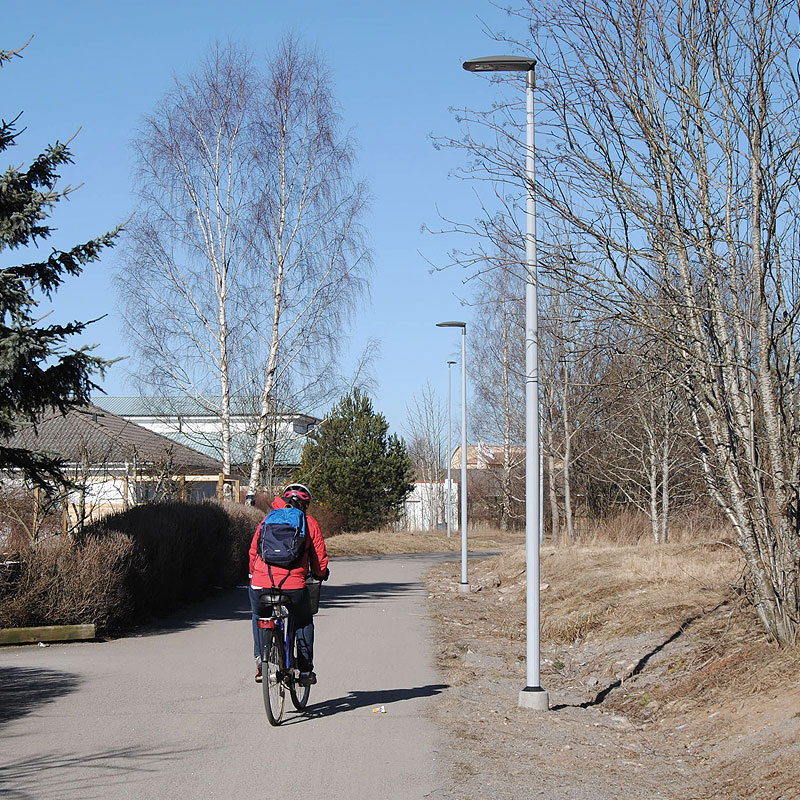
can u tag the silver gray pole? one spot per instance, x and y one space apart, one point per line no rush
449 496
464 586
532 696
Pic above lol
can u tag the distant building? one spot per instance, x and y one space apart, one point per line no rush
189 422
485 482
483 456
425 507
114 463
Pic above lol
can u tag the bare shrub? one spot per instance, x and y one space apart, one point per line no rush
66 583
22 523
181 550
262 501
242 521
129 566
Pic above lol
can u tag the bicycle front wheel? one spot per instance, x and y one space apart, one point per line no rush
273 671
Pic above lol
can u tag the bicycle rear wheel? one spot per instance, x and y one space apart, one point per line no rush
273 671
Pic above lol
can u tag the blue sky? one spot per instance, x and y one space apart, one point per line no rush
396 67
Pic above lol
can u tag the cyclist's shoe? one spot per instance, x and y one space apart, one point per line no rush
258 673
307 678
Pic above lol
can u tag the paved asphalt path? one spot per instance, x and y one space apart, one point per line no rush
175 713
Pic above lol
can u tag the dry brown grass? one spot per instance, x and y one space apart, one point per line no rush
598 598
632 528
481 539
627 591
609 591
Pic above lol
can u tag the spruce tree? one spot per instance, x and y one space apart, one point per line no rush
354 467
39 371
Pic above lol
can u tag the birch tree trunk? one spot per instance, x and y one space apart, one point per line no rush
312 252
567 459
555 517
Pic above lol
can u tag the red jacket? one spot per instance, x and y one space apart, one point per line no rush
314 559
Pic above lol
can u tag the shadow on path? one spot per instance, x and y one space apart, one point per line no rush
225 604
234 604
377 697
24 689
347 594
72 774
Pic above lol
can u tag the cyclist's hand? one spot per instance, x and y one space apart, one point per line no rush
326 575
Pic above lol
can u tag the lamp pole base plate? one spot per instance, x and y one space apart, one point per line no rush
463 588
534 698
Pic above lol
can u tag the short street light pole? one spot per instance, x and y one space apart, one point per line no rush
449 496
533 695
464 585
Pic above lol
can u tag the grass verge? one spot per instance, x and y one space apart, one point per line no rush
655 648
396 542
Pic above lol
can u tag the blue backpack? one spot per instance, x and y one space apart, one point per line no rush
282 537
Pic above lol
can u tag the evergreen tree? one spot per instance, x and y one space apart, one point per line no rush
353 466
39 371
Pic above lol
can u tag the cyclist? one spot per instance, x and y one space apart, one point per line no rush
292 582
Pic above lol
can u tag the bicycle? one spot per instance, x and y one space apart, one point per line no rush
279 658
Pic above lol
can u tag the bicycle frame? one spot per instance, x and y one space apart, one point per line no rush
280 671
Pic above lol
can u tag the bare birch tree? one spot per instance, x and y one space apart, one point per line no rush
670 146
191 238
497 372
311 243
246 254
426 426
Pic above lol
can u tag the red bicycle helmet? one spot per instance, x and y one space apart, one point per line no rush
296 491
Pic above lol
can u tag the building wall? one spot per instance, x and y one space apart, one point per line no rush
202 425
425 508
101 495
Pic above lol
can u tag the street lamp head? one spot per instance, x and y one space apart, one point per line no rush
451 362
451 324
500 64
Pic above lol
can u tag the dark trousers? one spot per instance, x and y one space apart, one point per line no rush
303 620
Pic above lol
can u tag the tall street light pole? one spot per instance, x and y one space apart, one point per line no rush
449 496
533 695
464 585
